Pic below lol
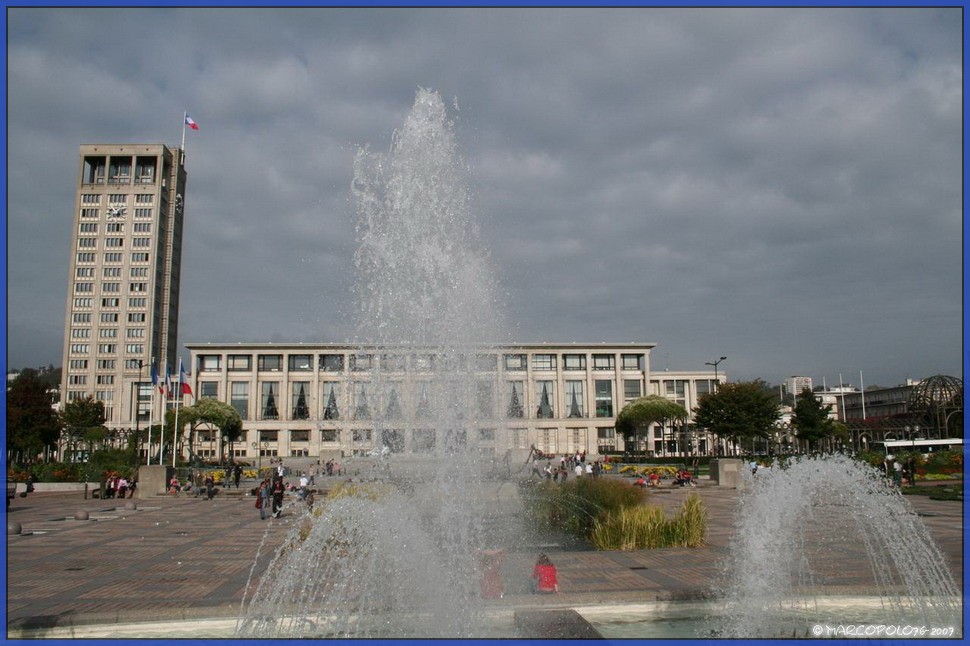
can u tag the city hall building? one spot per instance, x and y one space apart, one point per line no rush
314 399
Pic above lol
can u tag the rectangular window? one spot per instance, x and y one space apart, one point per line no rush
137 302
393 363
110 302
138 272
543 362
142 227
78 364
139 256
105 380
604 362
85 257
107 348
82 288
87 243
81 333
82 302
486 435
239 362
135 348
269 436
135 333
632 361
486 405
111 272
515 406
423 362
136 317
90 198
331 362
89 214
269 400
361 405
631 390
115 227
300 362
114 242
545 399
210 362
329 435
331 399
79 348
574 399
486 362
574 362
106 364
109 333
84 272
88 227
141 242
208 390
240 398
604 398
117 198
361 362
299 436
300 400
362 436
81 318
143 214
515 362
270 362
606 440
110 288
112 256
77 380
704 387
144 198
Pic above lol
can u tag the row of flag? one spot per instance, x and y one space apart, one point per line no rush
181 387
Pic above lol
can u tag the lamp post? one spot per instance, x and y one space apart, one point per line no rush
136 388
715 364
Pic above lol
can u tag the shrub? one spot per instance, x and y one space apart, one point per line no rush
647 527
575 505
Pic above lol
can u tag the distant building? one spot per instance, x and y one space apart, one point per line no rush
795 385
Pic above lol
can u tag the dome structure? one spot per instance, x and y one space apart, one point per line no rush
937 401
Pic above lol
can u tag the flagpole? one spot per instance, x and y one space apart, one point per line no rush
185 115
178 397
862 386
151 415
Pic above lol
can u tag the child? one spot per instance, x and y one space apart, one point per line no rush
544 577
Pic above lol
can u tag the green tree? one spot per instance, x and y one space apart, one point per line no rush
640 413
83 421
739 411
812 422
32 422
206 411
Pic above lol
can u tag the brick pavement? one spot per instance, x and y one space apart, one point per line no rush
185 557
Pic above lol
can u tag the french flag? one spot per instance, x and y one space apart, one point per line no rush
190 123
155 380
186 388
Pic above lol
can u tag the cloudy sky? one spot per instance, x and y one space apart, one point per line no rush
778 186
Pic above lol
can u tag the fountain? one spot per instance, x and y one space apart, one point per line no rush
820 531
402 557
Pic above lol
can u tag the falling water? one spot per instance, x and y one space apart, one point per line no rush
399 557
822 528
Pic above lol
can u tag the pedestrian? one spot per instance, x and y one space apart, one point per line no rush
579 470
122 486
898 473
228 475
173 485
210 486
278 490
304 486
545 579
262 499
236 474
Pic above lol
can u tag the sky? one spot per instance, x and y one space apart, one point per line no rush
780 186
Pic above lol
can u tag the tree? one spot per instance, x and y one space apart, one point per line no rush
32 422
206 411
811 420
83 419
644 411
739 411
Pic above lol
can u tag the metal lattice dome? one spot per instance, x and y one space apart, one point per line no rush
936 400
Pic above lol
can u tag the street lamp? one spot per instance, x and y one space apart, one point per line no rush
136 407
715 364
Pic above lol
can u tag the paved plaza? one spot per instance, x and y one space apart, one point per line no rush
184 557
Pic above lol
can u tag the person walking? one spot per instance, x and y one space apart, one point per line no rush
236 474
278 491
263 499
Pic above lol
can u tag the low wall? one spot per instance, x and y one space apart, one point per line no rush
726 472
153 480
41 487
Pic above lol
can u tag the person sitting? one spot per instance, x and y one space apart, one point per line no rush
654 479
640 482
684 478
545 579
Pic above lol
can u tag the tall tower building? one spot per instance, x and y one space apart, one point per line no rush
123 287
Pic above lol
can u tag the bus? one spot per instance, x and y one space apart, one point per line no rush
922 445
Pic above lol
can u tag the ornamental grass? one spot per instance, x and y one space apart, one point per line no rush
647 527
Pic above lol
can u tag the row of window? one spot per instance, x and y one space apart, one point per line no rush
112 243
418 362
108 317
110 288
102 364
362 404
111 272
112 257
107 348
117 198
114 227
107 333
85 302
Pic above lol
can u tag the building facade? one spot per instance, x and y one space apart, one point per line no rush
312 399
123 286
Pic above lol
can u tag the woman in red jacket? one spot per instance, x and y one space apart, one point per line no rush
544 577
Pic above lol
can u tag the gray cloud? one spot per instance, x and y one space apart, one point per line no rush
782 186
